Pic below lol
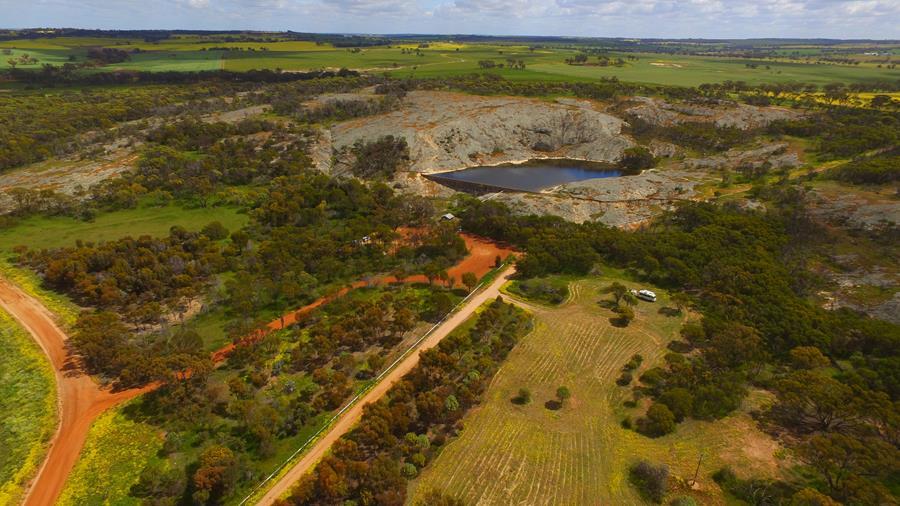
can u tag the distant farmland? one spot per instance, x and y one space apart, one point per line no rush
513 454
436 59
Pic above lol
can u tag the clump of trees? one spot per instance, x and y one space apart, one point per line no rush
637 159
55 119
344 109
623 302
138 278
878 169
108 55
842 132
699 135
380 159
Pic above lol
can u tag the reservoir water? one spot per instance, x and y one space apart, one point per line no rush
531 176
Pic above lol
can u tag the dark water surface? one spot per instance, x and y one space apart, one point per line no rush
532 176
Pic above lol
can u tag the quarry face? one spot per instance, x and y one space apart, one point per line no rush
450 131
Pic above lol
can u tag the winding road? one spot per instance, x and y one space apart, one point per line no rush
80 399
352 415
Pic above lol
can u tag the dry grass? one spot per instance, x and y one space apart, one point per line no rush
511 454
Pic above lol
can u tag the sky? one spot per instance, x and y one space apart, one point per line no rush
869 19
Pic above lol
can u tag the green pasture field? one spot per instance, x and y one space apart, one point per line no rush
52 232
529 454
441 59
28 404
694 70
168 61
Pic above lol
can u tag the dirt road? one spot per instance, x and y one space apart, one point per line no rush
480 261
80 400
352 415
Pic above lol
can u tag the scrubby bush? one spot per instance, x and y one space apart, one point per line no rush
650 480
543 290
380 159
659 421
215 231
754 491
636 159
523 397
679 401
680 346
634 362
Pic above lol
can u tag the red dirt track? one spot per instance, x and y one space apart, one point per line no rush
480 260
81 400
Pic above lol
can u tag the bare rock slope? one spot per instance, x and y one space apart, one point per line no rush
448 131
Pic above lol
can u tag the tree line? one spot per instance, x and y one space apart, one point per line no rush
402 432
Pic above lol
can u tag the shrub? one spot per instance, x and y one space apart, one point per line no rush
650 480
626 315
634 362
754 491
659 421
808 357
636 159
679 346
215 231
679 401
524 397
543 290
653 377
811 497
624 379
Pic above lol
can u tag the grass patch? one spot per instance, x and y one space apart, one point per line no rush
552 290
512 453
116 451
64 310
28 404
39 232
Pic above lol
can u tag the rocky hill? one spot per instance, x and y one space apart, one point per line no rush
449 131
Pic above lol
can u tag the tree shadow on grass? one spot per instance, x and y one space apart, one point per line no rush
608 304
669 311
618 321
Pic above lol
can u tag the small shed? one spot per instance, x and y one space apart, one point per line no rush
448 217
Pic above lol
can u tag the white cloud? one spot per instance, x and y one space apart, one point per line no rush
623 18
